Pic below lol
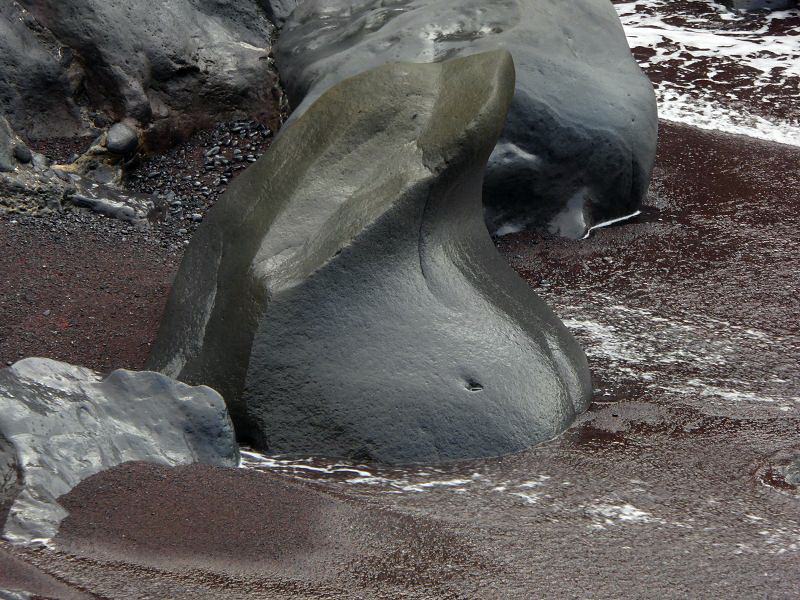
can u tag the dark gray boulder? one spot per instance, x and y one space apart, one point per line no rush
345 297
121 139
7 142
579 144
753 5
279 10
36 93
60 423
22 153
170 65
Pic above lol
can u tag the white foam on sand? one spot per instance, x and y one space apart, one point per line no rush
705 55
623 514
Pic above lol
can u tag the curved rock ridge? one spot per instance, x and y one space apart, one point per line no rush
60 423
67 67
345 297
580 141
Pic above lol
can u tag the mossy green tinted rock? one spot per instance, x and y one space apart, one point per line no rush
345 297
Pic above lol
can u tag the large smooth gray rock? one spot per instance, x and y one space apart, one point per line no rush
169 64
579 145
60 423
345 297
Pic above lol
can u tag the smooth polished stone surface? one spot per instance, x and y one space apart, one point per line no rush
579 143
345 297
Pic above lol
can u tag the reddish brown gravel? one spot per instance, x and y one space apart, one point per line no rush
89 297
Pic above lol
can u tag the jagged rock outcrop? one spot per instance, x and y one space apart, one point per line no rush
579 144
345 297
30 183
60 423
66 67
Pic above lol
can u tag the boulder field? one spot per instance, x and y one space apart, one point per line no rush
60 424
344 295
579 144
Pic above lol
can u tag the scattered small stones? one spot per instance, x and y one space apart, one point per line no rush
190 178
163 197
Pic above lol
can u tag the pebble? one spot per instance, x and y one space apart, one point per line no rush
190 178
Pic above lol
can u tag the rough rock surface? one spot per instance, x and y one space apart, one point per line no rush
66 67
279 10
345 297
60 423
31 183
760 4
9 144
579 144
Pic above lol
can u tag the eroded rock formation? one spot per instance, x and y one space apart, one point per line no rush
345 297
579 144
59 424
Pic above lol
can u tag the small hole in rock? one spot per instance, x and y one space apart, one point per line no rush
474 386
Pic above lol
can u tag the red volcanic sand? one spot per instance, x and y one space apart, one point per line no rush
665 489
89 297
144 530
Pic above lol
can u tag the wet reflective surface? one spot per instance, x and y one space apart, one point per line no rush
717 68
678 480
682 479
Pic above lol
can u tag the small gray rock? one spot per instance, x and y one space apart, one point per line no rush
121 139
22 153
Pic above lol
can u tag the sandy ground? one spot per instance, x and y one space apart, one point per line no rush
672 486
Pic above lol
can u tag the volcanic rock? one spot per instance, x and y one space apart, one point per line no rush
7 145
37 97
579 144
345 297
22 153
69 67
60 423
753 5
121 139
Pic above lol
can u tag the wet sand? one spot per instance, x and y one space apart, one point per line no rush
674 484
717 68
